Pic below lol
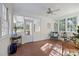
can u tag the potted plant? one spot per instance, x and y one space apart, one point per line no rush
77 38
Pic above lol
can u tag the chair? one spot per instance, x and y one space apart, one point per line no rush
77 42
53 35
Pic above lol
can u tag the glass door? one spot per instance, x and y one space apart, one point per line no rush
29 30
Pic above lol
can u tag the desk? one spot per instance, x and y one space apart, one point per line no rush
16 39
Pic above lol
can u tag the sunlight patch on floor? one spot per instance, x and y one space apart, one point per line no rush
46 47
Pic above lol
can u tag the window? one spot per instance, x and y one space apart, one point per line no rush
62 25
18 23
0 19
28 27
71 24
68 24
10 22
4 21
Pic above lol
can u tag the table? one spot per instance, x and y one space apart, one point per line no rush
16 39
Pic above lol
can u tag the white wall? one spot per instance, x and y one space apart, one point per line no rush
4 43
45 30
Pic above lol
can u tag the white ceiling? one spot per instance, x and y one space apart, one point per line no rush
40 9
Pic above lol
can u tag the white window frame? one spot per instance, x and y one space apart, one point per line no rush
4 21
0 26
16 20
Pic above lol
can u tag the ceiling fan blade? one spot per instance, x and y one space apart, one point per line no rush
49 11
56 10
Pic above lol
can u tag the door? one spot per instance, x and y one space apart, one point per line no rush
29 30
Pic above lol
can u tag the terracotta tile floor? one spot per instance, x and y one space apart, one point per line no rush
34 48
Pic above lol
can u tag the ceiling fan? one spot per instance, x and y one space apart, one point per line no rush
50 11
